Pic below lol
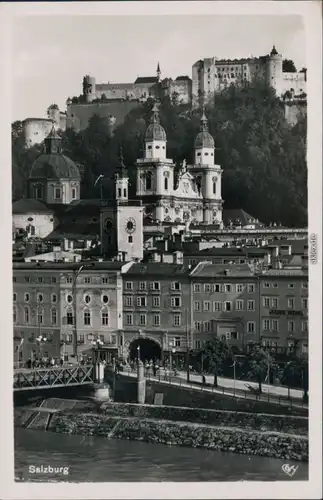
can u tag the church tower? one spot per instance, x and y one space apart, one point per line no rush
208 174
158 72
121 221
155 172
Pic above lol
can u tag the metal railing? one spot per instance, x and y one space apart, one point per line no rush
210 388
44 378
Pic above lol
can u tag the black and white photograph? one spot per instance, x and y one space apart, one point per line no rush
163 248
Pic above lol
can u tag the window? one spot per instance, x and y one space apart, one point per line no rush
142 285
251 326
87 280
207 288
214 187
155 285
304 303
251 288
73 193
166 184
197 344
26 315
177 320
87 298
206 305
227 306
148 181
274 285
53 316
54 298
266 285
130 239
291 285
240 305
40 297
129 301
218 288
266 324
304 326
197 288
87 318
105 280
274 325
217 305
176 285
27 279
105 299
305 285
228 288
141 301
69 298
142 319
129 319
69 279
197 305
81 338
239 288
176 302
40 316
156 301
40 279
57 193
14 297
251 305
206 326
274 303
197 326
291 325
128 285
304 348
291 303
234 335
266 302
69 318
156 319
104 318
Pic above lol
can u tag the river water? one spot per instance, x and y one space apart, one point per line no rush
96 459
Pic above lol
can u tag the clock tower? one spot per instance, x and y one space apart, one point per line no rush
121 221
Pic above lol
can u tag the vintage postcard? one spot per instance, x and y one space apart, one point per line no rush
161 254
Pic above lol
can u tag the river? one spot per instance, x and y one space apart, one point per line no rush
96 459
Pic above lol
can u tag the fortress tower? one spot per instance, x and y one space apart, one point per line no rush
89 88
275 71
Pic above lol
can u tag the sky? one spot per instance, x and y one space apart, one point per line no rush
51 54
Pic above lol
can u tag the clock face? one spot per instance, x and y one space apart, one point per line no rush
130 226
108 225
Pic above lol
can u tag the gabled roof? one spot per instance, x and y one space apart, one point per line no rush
146 79
209 270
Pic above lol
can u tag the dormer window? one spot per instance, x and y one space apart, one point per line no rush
57 193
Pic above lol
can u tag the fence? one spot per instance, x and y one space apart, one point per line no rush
247 394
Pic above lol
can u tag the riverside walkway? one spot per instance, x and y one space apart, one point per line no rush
268 395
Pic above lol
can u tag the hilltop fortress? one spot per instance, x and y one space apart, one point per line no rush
209 76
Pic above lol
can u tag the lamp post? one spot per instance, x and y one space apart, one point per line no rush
96 344
138 353
40 341
74 294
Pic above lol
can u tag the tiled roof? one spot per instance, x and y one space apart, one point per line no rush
285 272
104 265
77 231
54 166
157 269
183 78
28 205
242 252
146 79
298 245
209 270
111 86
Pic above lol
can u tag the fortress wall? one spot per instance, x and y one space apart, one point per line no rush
78 115
35 131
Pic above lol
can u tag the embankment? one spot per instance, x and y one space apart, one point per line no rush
268 435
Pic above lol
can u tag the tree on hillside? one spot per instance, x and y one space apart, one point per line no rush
289 66
216 352
260 362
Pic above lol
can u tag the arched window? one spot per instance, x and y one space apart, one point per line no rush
166 183
73 193
53 316
119 192
148 181
40 316
14 315
104 317
214 187
125 193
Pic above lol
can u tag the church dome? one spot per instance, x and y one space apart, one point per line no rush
53 164
155 132
204 139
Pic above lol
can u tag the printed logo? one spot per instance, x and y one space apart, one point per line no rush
289 469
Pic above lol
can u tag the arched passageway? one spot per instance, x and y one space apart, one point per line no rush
145 349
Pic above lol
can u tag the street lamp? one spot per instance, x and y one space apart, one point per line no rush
75 309
40 341
96 344
172 350
138 353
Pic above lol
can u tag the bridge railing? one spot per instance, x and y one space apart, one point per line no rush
42 378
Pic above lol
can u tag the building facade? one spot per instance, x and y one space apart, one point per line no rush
196 195
211 75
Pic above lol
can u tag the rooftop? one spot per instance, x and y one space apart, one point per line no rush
209 270
160 269
28 205
70 266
